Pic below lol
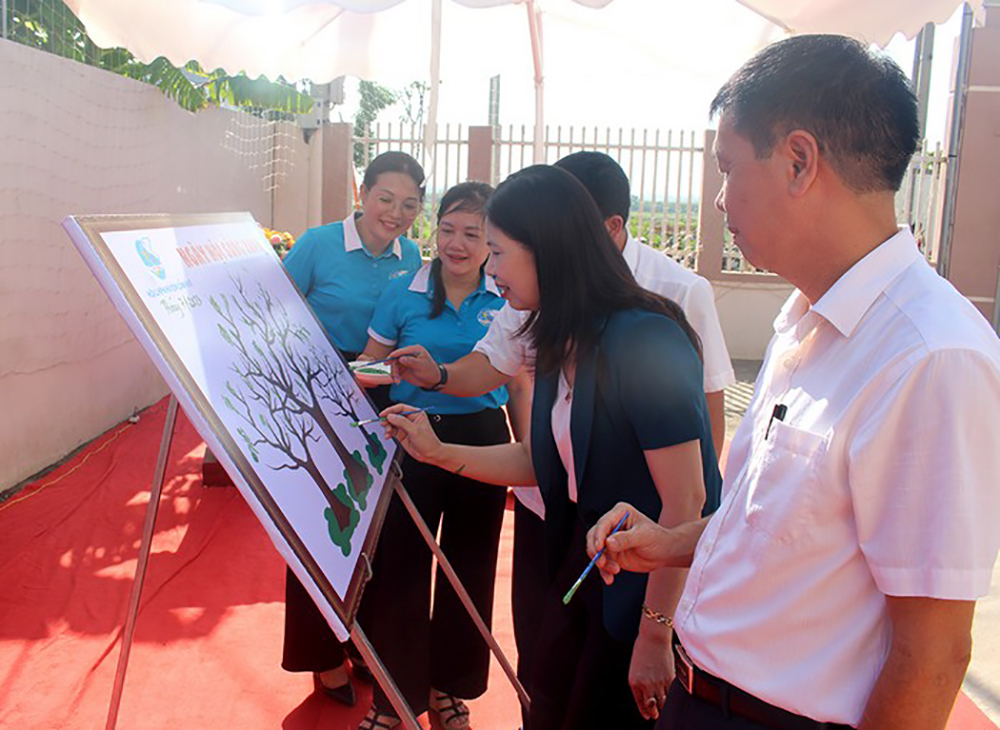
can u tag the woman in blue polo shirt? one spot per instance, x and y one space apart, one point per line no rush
447 306
342 269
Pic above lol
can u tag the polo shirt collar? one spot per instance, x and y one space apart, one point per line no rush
630 252
422 282
845 304
353 242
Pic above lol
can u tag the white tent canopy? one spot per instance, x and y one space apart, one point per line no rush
397 41
384 39
874 22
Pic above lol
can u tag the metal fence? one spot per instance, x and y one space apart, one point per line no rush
918 204
664 167
921 197
447 166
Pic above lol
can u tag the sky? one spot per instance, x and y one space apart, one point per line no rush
652 65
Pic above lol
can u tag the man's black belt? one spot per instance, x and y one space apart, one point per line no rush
735 701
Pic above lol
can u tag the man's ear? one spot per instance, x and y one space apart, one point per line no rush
615 224
802 151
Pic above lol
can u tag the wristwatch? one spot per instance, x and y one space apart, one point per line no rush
440 383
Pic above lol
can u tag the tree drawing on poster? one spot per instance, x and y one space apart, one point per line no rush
281 384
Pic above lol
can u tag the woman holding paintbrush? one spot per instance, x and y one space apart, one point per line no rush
619 409
437 661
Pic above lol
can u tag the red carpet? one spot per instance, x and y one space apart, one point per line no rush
208 638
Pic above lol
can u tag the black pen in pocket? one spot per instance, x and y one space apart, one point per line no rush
778 414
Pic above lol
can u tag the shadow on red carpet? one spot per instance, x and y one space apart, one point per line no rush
208 639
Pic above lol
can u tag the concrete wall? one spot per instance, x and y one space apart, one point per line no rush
747 311
77 140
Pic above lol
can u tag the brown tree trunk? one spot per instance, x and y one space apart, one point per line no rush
357 472
340 510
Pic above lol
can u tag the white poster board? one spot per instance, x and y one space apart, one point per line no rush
260 380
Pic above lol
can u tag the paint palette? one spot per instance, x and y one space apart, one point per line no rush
371 375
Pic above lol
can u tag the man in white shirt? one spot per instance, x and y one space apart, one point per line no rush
503 353
836 584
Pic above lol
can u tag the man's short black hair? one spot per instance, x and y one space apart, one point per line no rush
604 179
857 103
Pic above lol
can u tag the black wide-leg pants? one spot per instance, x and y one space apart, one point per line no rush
423 647
310 644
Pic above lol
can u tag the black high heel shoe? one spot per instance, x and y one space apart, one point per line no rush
344 693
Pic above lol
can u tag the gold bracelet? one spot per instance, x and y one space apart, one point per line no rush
658 617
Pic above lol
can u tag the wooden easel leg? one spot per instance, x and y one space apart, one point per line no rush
399 704
140 569
463 595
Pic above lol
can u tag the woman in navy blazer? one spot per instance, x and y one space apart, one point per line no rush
619 414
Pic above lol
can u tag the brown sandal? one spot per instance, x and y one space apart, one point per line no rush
451 712
376 720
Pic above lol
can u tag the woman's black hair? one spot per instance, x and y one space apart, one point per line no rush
469 197
394 162
582 277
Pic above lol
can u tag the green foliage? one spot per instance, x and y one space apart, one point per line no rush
341 536
254 454
376 451
413 97
656 226
374 98
49 25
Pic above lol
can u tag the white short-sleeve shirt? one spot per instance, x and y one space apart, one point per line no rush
653 270
880 480
660 274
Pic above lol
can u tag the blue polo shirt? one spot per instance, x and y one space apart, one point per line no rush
342 281
403 317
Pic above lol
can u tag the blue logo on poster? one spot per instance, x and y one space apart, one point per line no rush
144 248
486 317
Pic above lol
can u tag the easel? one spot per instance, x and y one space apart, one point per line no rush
399 704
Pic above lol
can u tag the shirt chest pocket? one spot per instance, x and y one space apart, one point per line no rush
782 480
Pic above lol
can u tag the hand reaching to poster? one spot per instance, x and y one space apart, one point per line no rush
413 431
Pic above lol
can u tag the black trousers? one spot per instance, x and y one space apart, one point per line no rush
684 712
310 644
529 588
579 678
441 648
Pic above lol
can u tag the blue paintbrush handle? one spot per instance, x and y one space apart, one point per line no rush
593 561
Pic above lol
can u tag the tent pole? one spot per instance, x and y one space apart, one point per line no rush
923 56
955 142
5 19
430 129
535 30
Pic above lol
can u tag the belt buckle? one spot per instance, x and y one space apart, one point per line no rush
684 668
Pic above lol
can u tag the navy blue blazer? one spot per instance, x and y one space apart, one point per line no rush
640 389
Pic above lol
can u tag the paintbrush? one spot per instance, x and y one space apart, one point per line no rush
593 562
357 424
